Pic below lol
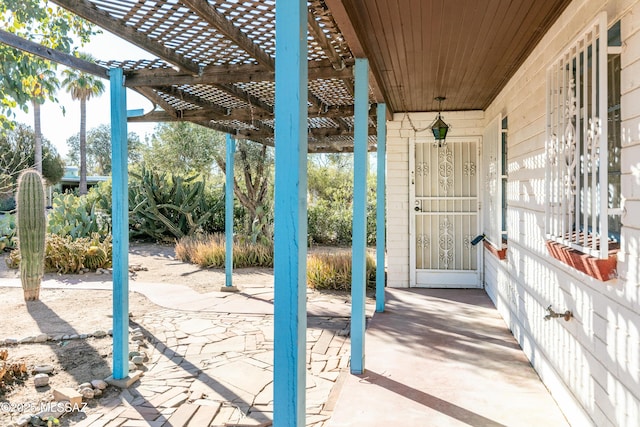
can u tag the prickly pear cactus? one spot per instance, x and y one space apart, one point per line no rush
95 258
31 227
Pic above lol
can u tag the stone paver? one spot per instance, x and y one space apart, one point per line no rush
216 369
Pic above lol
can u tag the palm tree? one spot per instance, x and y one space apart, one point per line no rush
41 83
82 86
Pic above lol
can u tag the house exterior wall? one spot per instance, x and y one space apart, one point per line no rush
590 364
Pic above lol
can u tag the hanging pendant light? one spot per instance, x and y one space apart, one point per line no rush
439 127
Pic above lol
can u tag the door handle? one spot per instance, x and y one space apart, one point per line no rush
417 209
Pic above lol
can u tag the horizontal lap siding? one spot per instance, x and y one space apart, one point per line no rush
590 364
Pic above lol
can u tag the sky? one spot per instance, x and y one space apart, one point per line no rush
58 127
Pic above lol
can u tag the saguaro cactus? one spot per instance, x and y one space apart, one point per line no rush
31 226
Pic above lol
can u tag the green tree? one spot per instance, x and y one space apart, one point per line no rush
184 148
41 22
99 149
82 86
17 153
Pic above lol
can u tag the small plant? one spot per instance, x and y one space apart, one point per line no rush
95 258
78 217
8 239
66 255
32 225
332 271
10 372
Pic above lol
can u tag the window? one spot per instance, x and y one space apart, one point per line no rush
583 148
494 160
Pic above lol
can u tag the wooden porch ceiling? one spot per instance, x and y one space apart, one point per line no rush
464 50
216 58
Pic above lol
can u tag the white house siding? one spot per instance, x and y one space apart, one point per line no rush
591 364
399 134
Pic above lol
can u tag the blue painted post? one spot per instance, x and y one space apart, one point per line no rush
380 205
120 223
359 232
228 212
290 222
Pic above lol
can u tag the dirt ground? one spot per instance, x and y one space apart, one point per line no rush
76 311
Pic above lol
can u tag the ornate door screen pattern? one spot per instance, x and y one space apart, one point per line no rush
445 214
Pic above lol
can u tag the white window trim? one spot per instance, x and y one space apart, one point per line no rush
492 168
563 171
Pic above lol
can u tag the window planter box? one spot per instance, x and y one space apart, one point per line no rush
601 269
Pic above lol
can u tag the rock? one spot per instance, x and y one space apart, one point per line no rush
97 392
132 366
57 338
84 336
87 393
26 340
138 360
84 385
99 334
43 369
66 337
41 380
99 384
133 354
74 337
41 338
110 332
23 420
11 341
137 336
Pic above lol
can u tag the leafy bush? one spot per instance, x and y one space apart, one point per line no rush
209 251
332 271
65 255
77 217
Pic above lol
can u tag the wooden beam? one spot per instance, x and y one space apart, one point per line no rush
170 114
194 99
225 74
88 11
226 27
53 55
245 96
350 34
325 44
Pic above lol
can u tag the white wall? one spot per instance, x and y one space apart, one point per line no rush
592 363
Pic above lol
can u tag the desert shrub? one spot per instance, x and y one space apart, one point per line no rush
78 217
332 271
209 251
66 255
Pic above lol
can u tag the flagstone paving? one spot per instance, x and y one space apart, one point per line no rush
217 369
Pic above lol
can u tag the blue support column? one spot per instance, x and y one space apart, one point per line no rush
120 223
290 224
359 232
228 213
380 206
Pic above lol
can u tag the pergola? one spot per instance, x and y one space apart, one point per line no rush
309 76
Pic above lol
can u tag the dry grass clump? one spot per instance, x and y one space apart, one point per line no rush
332 271
208 250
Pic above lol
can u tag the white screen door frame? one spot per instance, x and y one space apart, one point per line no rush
445 217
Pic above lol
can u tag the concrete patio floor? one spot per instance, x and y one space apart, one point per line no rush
439 357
